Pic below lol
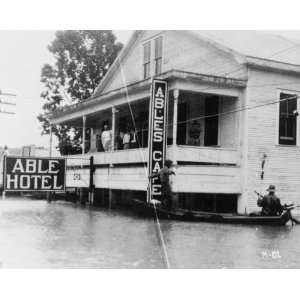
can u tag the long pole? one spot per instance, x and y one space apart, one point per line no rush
113 128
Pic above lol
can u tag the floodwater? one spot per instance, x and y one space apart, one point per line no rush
37 234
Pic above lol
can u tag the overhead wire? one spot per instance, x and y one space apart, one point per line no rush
227 112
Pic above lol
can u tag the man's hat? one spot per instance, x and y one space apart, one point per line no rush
271 188
168 163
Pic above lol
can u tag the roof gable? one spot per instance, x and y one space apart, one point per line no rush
182 50
212 52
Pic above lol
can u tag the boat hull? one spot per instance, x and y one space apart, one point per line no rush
149 210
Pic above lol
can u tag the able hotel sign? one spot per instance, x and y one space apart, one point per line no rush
34 174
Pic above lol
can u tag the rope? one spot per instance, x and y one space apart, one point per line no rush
131 113
162 241
156 219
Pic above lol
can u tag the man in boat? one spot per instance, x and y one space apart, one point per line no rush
270 203
166 188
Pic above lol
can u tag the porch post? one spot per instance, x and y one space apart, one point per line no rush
81 196
83 134
175 113
113 128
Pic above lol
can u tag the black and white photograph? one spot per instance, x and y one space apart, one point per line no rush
149 148
172 138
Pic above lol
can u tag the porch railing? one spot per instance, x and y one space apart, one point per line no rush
188 154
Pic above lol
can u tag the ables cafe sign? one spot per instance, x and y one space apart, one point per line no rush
157 135
34 174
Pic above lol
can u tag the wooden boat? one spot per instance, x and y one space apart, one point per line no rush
148 209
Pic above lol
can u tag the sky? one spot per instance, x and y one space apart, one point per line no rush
22 55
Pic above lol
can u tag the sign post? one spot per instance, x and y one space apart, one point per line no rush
158 112
34 174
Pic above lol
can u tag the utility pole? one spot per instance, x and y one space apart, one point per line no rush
6 103
6 112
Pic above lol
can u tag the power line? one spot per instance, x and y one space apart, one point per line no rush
238 110
224 113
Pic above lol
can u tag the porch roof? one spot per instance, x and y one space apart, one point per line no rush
140 89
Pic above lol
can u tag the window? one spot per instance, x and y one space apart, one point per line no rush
147 56
158 55
287 119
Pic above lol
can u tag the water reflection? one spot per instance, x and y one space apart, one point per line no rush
35 234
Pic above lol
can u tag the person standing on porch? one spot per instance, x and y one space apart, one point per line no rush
133 139
106 138
126 140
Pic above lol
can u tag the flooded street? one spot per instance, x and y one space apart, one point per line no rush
37 234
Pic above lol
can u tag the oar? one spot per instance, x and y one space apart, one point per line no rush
294 221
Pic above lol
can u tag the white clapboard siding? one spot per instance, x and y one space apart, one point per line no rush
282 167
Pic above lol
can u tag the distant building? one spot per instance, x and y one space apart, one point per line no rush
233 125
33 150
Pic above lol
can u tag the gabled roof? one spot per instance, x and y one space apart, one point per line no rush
242 44
259 44
116 62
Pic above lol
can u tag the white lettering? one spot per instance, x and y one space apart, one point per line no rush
30 165
157 124
18 166
159 103
10 180
156 189
157 155
158 136
55 186
45 179
52 166
156 167
40 170
35 180
160 93
156 117
24 181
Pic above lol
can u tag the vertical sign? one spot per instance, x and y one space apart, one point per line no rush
158 110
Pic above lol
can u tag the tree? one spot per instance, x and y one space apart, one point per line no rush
82 58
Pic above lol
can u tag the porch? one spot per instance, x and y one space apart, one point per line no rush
204 135
199 170
201 128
